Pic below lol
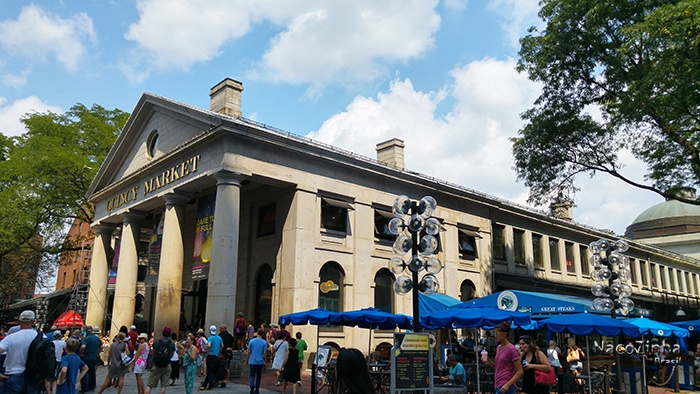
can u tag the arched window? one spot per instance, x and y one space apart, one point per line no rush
467 290
263 296
383 290
330 289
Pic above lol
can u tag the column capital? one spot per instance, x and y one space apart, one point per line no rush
176 199
225 177
133 216
103 229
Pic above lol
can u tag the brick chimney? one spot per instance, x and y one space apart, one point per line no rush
391 153
225 97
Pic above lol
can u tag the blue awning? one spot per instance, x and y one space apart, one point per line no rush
543 304
428 304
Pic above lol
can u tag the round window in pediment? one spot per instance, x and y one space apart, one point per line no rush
153 144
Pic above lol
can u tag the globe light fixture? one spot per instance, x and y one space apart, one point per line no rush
611 277
412 218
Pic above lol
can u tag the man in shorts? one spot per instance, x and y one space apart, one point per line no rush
161 374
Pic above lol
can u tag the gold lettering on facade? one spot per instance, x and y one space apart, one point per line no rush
168 176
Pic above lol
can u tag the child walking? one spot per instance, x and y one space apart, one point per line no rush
72 369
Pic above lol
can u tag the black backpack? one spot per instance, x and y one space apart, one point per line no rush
161 354
41 359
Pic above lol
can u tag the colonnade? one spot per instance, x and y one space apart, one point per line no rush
223 269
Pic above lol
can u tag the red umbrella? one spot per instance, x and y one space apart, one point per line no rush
69 319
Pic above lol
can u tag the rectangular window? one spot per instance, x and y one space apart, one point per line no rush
633 270
334 214
654 280
693 279
267 220
569 249
554 254
662 278
679 276
519 246
382 217
643 272
499 242
583 255
467 243
689 284
671 279
537 250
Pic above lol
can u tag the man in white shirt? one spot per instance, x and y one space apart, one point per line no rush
17 348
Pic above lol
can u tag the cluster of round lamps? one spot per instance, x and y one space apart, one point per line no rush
611 276
415 244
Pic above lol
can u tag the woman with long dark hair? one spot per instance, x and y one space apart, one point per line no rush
533 359
353 373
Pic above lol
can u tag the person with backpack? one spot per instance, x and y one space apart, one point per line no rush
17 346
202 352
163 350
241 331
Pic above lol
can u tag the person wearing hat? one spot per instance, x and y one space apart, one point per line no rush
59 346
215 347
17 348
89 353
202 351
141 361
161 374
133 337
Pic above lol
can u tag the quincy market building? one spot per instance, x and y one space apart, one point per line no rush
201 214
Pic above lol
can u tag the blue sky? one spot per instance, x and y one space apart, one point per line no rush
437 74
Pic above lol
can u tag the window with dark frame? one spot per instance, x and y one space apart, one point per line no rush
519 246
330 293
652 273
671 279
633 270
499 242
381 225
569 249
583 255
466 239
334 214
643 272
384 291
267 220
554 254
537 250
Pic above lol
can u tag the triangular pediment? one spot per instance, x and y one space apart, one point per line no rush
156 127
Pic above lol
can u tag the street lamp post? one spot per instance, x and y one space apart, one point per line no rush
412 218
612 277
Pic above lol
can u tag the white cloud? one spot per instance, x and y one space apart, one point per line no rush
317 40
10 124
36 34
179 33
469 146
518 15
352 41
15 80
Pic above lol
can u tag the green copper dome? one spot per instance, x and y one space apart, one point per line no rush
668 209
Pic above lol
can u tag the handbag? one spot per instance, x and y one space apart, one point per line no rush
573 356
126 359
545 378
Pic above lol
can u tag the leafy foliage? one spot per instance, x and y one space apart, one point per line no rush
616 75
44 176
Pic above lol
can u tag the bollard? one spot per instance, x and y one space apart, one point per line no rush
236 362
313 377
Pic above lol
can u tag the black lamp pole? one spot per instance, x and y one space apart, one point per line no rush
414 273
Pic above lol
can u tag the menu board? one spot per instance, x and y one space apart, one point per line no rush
411 361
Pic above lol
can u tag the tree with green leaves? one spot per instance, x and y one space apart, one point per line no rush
615 75
44 176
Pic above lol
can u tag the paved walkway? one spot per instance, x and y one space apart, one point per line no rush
240 385
237 385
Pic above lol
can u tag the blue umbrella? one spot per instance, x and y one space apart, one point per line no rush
472 316
318 317
372 318
589 323
648 326
692 325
